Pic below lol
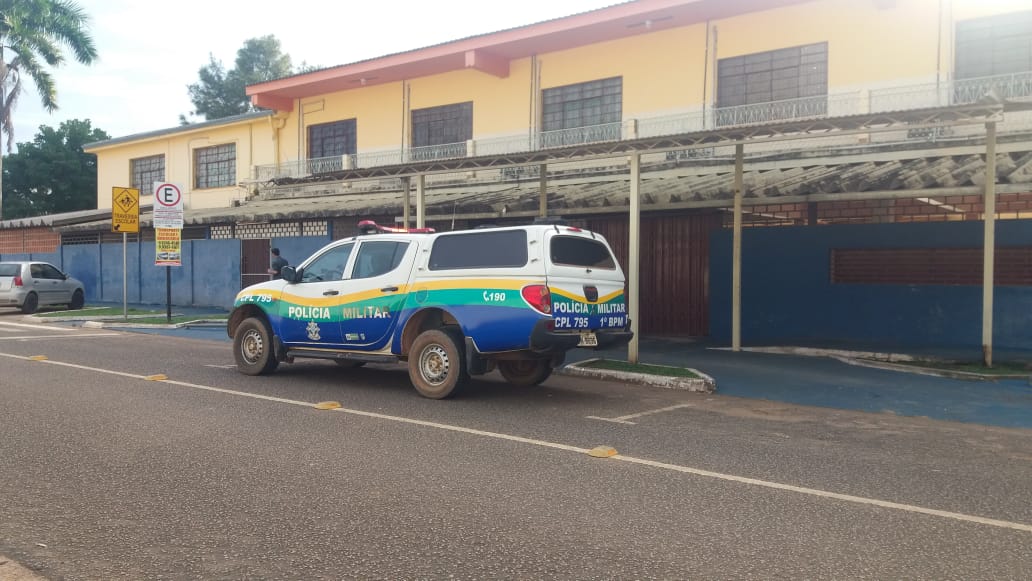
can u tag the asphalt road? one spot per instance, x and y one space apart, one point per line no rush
210 474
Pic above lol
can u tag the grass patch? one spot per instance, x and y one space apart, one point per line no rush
1001 368
663 370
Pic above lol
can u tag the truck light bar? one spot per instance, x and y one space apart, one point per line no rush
371 227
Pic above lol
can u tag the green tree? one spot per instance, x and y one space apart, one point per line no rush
51 174
221 93
32 34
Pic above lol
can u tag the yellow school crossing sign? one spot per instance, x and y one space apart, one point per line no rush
125 210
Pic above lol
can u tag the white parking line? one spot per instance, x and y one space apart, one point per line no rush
623 419
565 447
66 336
40 327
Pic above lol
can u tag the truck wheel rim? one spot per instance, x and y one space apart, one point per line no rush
252 346
434 364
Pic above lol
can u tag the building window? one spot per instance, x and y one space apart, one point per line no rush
997 46
768 77
583 104
215 167
146 171
332 139
441 132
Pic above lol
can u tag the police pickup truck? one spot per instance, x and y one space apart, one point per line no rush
451 304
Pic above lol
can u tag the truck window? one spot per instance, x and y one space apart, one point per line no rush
576 251
378 257
329 266
497 249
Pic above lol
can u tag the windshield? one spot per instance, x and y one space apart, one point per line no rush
9 269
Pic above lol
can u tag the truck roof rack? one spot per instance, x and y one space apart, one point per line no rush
371 227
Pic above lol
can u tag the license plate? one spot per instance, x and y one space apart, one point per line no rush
588 340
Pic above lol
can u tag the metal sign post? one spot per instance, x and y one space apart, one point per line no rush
168 229
125 218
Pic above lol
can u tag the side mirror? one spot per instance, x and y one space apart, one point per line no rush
290 274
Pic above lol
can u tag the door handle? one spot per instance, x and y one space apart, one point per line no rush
330 293
389 289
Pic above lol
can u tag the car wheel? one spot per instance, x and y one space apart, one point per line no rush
31 304
525 372
78 300
437 364
252 348
349 363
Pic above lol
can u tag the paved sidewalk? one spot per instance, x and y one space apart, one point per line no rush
826 382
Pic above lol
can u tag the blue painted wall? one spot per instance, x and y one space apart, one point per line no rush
787 295
209 277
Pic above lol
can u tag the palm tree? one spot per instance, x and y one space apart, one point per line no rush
32 34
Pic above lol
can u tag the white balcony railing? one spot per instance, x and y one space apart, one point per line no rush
787 110
959 92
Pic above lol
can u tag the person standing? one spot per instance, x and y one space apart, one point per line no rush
277 263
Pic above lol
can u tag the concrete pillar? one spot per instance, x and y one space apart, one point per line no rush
989 246
406 200
543 190
633 258
736 256
421 201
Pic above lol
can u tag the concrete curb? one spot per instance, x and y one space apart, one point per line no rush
93 324
702 384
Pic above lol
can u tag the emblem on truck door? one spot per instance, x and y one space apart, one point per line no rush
313 331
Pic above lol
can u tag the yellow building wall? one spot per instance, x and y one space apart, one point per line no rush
377 109
254 146
662 71
870 42
500 105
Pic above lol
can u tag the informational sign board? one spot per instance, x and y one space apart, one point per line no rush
168 247
168 205
125 210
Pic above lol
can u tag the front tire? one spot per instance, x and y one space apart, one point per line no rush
437 364
31 304
525 372
78 300
252 348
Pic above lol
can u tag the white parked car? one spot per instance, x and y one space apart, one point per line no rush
30 284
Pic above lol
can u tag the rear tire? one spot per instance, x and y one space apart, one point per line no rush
525 372
78 300
437 364
31 304
252 348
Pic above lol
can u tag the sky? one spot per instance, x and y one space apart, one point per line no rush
149 51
